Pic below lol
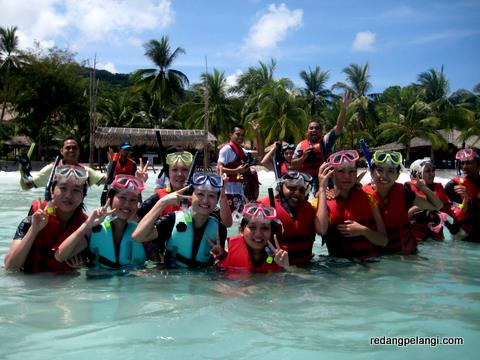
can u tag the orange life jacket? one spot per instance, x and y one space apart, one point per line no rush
128 168
314 159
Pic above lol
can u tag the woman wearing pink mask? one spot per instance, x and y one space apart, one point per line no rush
351 223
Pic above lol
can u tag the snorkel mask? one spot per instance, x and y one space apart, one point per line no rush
392 158
210 182
466 154
295 179
185 157
128 183
72 173
343 158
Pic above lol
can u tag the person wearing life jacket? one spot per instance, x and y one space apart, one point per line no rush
70 152
125 165
394 200
314 150
253 250
237 163
300 220
107 234
428 223
286 152
465 191
352 226
190 237
39 235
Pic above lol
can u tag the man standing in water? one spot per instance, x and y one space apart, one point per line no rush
71 154
314 150
236 162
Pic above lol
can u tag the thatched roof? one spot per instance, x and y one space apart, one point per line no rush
452 137
190 139
19 141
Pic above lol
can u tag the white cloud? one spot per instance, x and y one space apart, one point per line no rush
109 66
271 28
364 41
232 80
85 21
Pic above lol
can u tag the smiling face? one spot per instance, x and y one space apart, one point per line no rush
177 174
257 234
70 152
428 174
204 201
125 204
288 155
471 167
68 195
384 176
294 193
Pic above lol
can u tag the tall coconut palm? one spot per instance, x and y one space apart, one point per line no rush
433 85
405 117
115 112
10 59
221 113
314 91
255 77
163 83
279 113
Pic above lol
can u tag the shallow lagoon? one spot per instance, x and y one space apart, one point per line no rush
328 310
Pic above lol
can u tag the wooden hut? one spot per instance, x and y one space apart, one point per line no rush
191 139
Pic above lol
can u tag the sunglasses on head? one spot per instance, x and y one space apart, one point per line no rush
199 179
128 182
259 211
286 147
393 157
343 156
466 154
183 156
71 171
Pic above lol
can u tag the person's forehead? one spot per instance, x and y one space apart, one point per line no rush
313 125
70 143
238 131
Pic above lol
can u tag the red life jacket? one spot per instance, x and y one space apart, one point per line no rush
239 259
298 234
249 179
421 229
128 168
469 221
241 157
395 216
284 168
356 208
170 208
315 159
41 257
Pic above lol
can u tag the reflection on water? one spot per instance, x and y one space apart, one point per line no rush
331 309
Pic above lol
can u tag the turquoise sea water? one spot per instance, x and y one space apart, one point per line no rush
328 311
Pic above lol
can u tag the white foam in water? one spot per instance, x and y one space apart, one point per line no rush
323 312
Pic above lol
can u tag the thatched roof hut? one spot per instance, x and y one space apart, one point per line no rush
190 139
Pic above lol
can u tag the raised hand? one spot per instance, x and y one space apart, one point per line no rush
216 249
40 217
142 170
99 214
324 173
255 125
346 100
176 197
280 255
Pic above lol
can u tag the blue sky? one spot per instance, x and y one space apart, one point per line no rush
399 39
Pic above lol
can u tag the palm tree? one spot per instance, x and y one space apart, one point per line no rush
476 89
406 116
10 59
314 91
433 85
163 83
363 116
279 113
255 77
115 112
221 113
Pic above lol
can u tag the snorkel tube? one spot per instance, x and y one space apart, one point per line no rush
193 166
276 160
48 187
162 153
366 152
111 173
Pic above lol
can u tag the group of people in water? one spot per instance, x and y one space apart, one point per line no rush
184 223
